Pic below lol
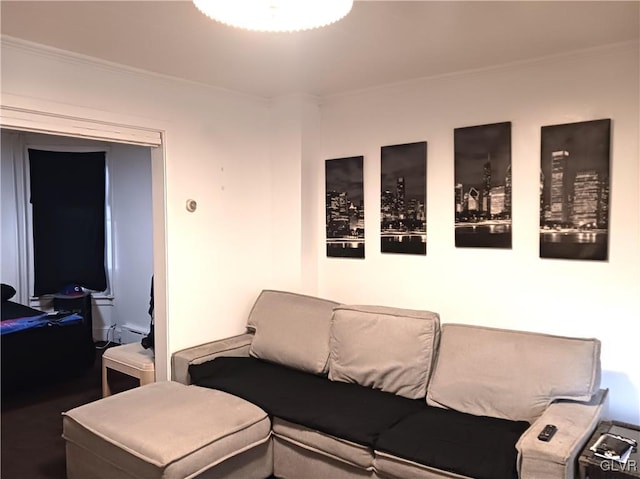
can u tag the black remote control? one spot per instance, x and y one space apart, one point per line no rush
547 433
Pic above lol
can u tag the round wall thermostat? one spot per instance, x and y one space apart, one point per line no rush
191 205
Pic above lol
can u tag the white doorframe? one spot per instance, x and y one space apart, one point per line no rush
38 121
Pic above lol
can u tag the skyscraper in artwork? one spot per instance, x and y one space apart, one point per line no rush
559 201
586 201
486 187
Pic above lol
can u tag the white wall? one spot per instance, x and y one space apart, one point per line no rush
222 149
130 177
294 144
130 184
503 288
216 152
9 264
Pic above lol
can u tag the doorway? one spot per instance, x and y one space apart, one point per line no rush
36 121
120 308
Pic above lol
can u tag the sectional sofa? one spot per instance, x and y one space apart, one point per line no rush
379 392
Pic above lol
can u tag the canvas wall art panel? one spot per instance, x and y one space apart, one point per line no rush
344 205
482 184
574 190
403 211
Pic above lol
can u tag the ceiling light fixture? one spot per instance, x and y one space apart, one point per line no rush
275 15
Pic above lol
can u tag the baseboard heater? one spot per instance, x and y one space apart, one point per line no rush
129 334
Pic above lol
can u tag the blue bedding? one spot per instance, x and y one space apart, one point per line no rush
43 320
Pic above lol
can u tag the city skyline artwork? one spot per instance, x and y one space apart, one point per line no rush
344 205
575 190
403 215
482 186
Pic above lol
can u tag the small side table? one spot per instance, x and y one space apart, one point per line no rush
131 359
591 466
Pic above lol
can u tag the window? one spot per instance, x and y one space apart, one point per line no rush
68 219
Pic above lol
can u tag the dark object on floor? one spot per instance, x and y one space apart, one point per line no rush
37 356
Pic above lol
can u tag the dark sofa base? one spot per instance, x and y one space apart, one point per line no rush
474 446
293 461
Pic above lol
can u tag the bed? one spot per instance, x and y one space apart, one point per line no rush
40 348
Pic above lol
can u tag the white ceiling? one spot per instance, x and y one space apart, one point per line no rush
379 42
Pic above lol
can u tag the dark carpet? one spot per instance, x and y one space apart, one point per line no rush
31 422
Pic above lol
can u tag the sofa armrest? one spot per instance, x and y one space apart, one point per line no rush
557 459
232 346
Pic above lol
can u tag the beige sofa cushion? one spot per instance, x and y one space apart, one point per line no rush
511 374
291 329
384 348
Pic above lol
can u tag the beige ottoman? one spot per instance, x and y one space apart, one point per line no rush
168 430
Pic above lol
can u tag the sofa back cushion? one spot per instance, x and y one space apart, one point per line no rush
291 329
511 374
384 348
